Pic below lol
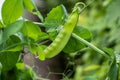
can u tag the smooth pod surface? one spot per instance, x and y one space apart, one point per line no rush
62 38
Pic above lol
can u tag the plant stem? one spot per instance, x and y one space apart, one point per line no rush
90 45
40 24
38 12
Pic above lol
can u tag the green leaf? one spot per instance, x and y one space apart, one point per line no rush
13 44
109 51
73 44
29 5
53 34
12 29
13 48
42 36
33 49
113 71
8 60
33 31
13 39
55 18
113 13
83 32
20 66
11 10
38 49
16 48
9 53
25 72
22 38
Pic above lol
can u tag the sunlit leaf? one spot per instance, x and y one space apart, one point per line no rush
28 4
11 10
37 50
20 65
33 31
55 17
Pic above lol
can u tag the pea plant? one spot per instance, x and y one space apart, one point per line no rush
17 32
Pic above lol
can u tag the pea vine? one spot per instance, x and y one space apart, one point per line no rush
16 32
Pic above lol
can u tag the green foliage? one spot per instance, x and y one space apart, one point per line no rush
9 52
12 29
24 72
113 71
102 18
75 45
12 44
11 10
31 30
55 18
20 71
113 9
29 5
8 59
40 53
104 23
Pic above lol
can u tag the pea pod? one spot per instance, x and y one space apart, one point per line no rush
62 38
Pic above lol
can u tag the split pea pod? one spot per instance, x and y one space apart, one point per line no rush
62 38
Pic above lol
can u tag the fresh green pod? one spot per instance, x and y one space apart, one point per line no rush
62 38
